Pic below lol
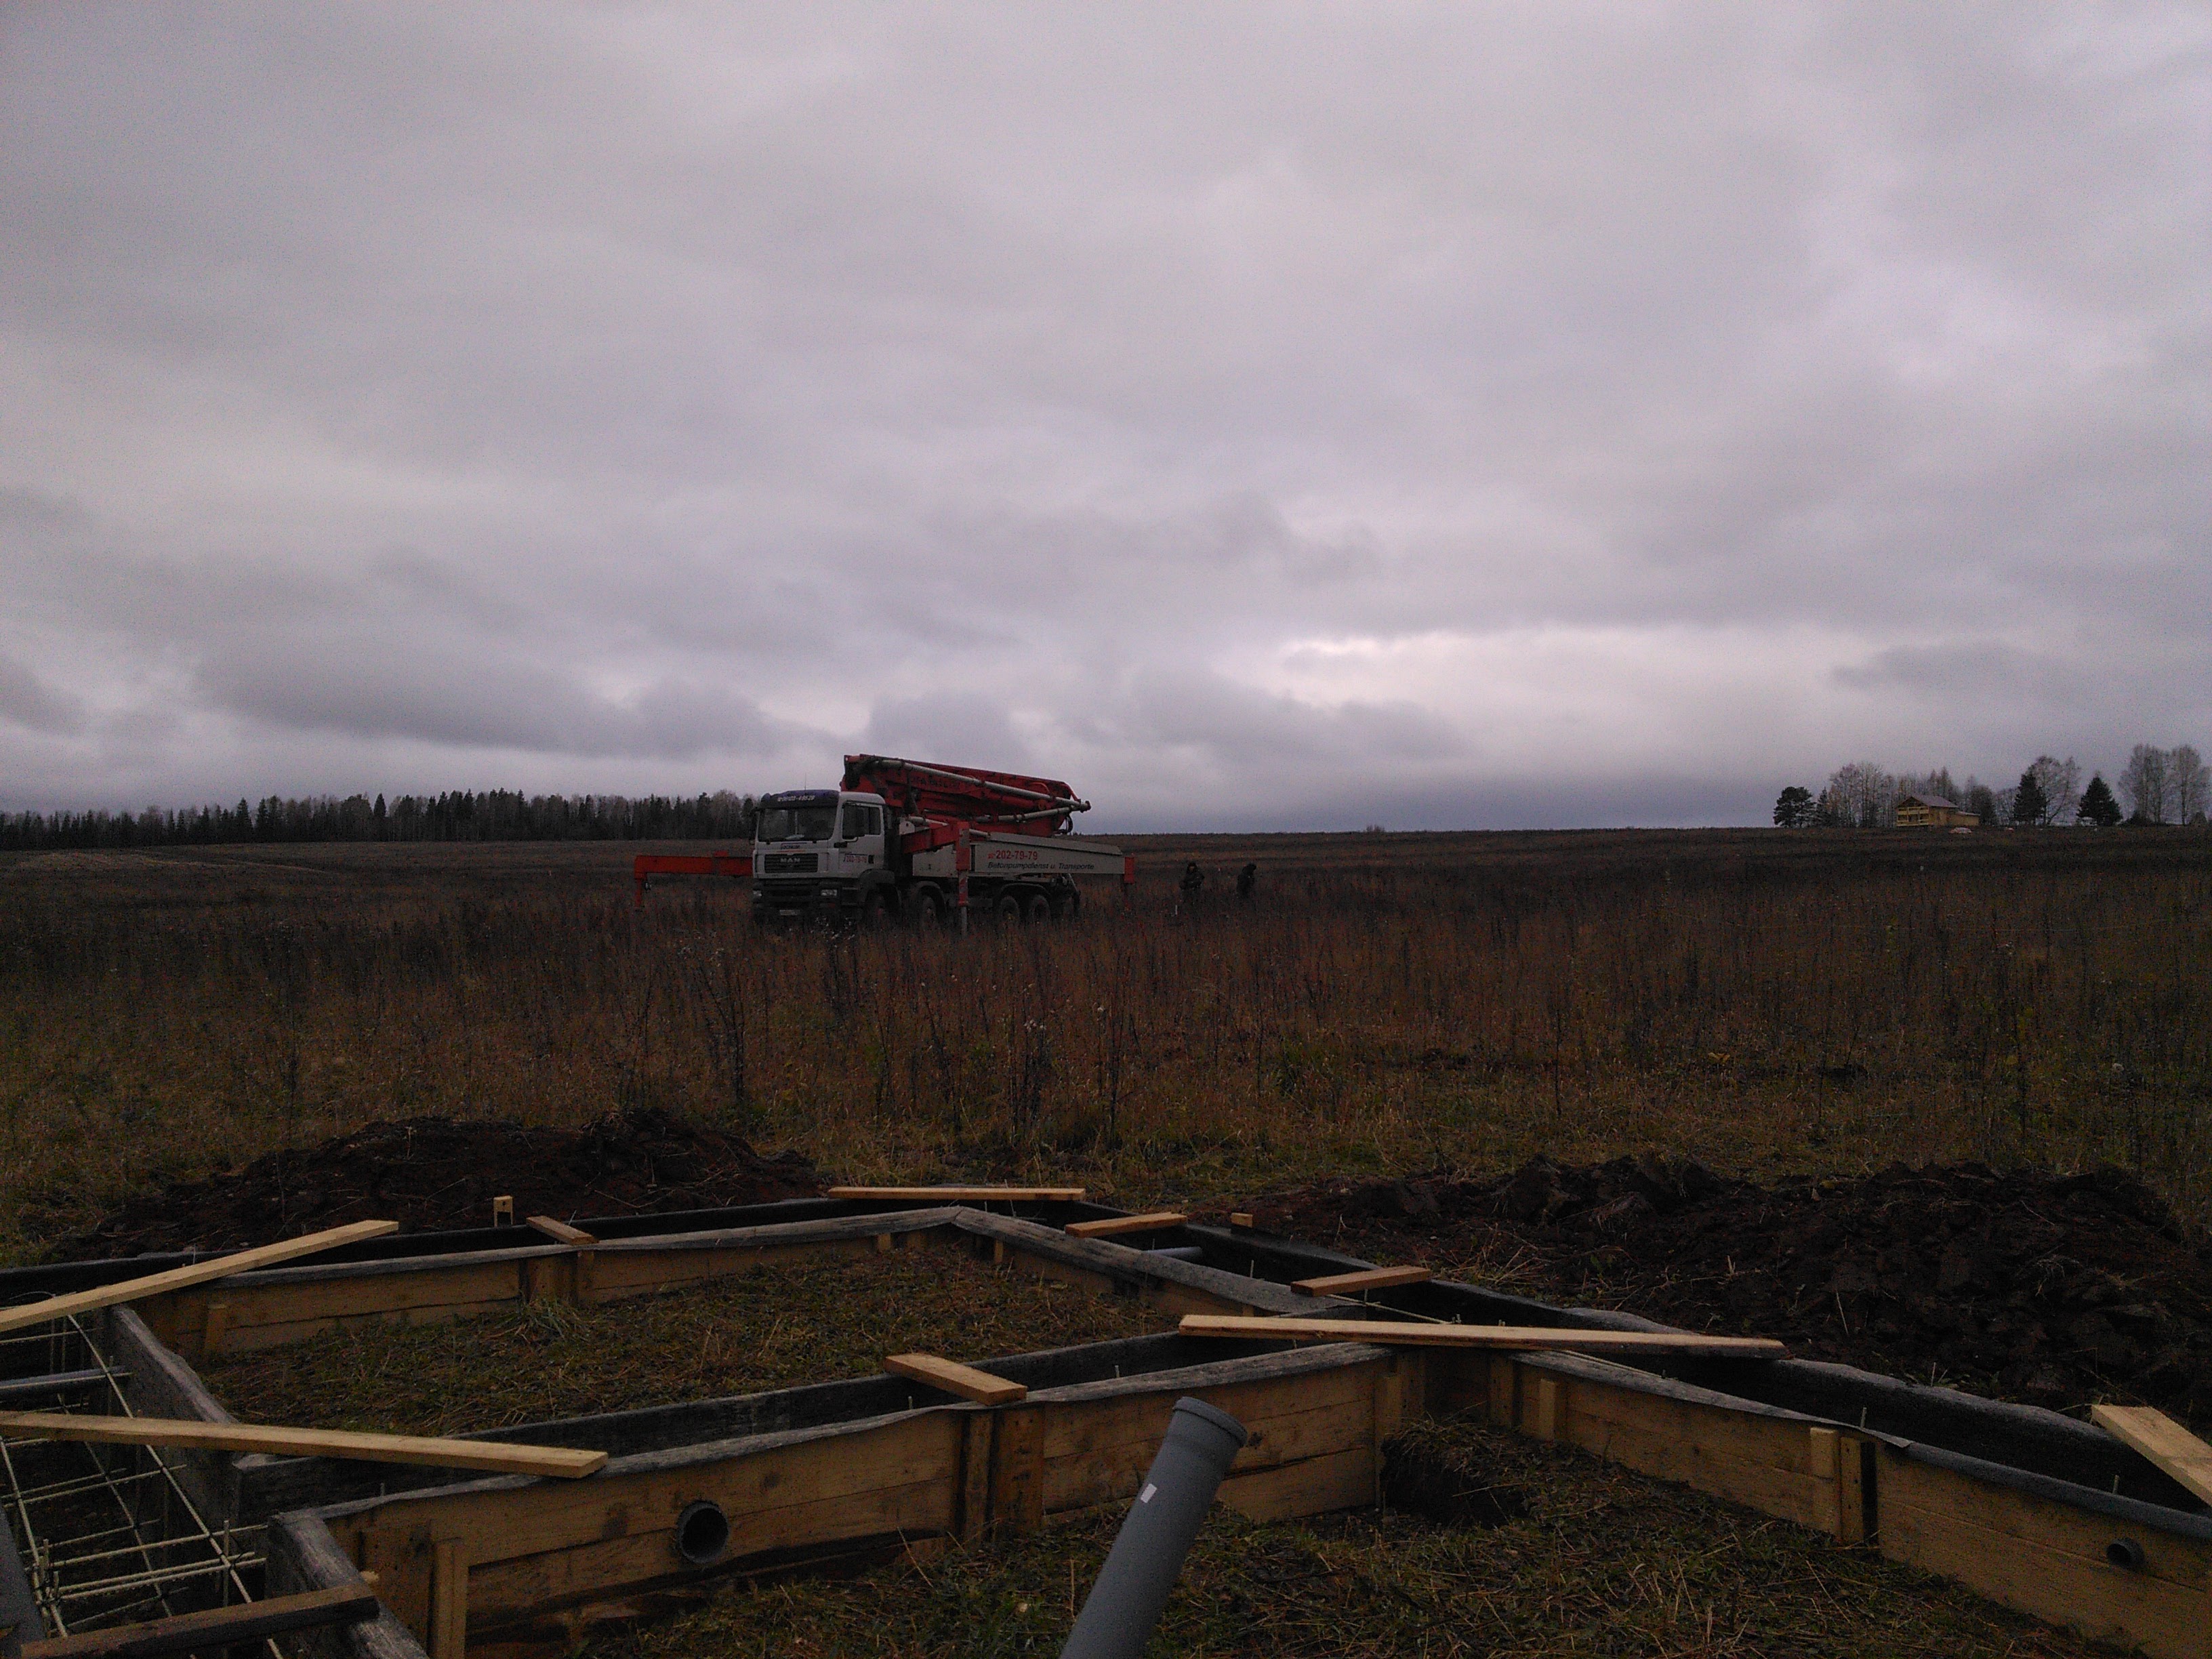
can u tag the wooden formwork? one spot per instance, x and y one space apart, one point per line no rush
2006 1499
502 1557
284 1305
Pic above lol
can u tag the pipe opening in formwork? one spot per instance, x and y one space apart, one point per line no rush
702 1533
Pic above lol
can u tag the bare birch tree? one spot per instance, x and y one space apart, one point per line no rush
2143 780
2188 784
2061 783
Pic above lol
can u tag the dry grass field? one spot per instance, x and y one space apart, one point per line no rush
1770 1002
1773 1004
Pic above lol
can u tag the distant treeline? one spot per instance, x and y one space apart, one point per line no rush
458 815
2161 785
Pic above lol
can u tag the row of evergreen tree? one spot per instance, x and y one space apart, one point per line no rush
457 815
2159 786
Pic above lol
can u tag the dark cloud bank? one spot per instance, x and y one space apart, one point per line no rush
1279 417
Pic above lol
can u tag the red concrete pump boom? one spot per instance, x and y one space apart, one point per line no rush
970 794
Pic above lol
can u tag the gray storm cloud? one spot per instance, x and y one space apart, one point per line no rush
1292 415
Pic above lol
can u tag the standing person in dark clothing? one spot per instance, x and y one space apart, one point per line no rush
1247 879
1193 883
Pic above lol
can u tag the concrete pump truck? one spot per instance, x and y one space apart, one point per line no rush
912 839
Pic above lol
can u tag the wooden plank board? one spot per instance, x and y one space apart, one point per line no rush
1340 1481
1112 1226
1518 1338
270 1316
523 1590
500 1457
2047 1559
2163 1441
1367 1279
531 1548
1134 1422
964 1194
259 1301
1779 1443
753 1482
177 1278
1766 1463
1114 1472
954 1378
217 1627
561 1232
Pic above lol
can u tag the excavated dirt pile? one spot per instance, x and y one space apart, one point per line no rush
2056 1289
433 1172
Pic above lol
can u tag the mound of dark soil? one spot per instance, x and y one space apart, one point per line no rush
2057 1289
431 1172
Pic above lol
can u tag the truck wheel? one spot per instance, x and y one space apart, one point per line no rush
875 909
927 909
1009 908
1037 908
1067 904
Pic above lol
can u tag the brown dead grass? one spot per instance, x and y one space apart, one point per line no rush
1821 1003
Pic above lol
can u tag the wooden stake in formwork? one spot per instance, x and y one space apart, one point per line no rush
1511 1338
1113 1226
449 1602
217 1326
953 1377
2149 1431
500 1457
502 1210
1543 1409
177 1279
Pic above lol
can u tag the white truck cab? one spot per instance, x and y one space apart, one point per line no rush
819 852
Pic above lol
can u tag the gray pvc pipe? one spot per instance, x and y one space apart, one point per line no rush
1147 1557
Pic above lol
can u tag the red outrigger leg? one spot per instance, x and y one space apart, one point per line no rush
647 865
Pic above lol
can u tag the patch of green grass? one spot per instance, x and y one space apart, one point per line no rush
771 1327
1605 1562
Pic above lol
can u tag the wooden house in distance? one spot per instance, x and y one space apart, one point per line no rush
1934 812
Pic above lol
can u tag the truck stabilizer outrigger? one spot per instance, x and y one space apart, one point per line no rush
915 840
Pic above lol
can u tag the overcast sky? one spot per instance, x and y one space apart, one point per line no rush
1263 416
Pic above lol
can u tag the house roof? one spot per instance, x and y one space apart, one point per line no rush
1930 800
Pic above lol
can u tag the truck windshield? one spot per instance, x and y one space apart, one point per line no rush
797 824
